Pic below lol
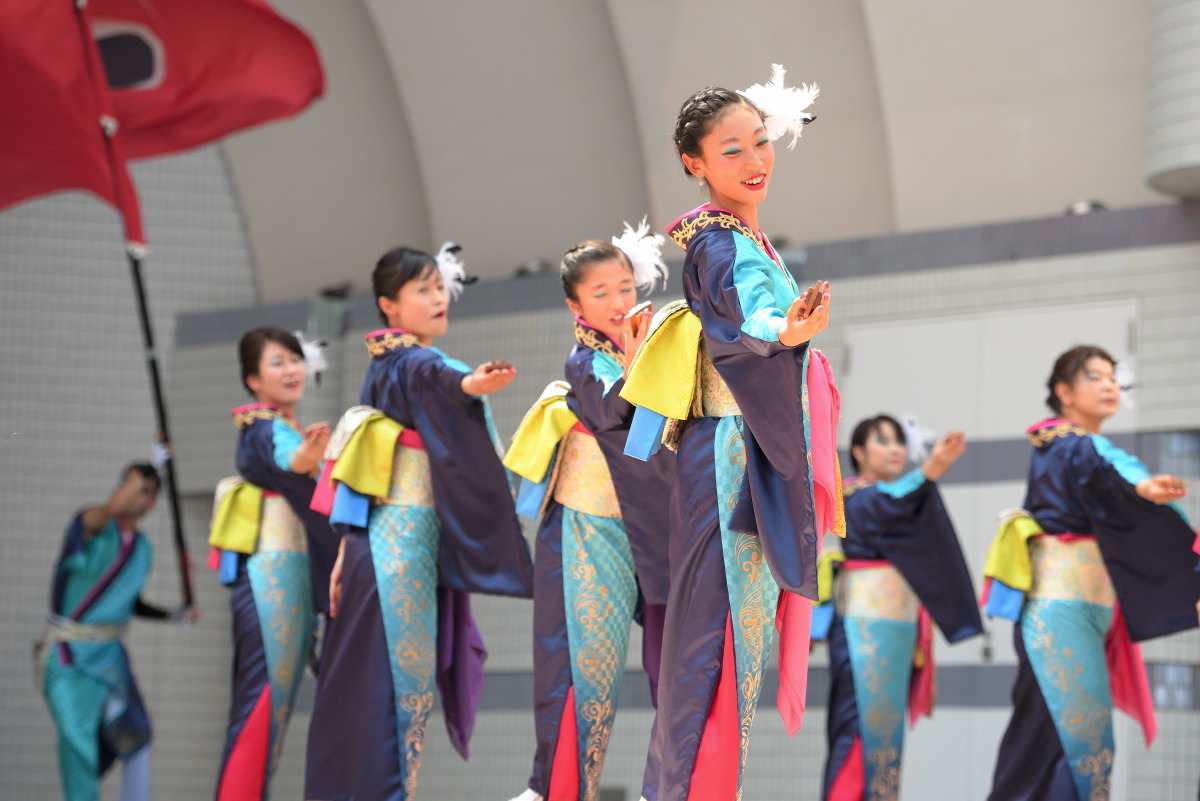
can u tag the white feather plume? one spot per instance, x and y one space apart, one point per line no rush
917 438
784 106
1123 373
454 273
314 356
645 254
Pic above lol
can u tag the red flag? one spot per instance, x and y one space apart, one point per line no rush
56 111
187 72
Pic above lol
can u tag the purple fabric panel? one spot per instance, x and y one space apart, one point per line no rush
694 629
654 619
551 648
460 659
249 662
353 744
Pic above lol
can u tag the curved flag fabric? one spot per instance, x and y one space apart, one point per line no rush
184 73
58 130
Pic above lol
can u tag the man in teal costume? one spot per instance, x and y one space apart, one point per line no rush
86 677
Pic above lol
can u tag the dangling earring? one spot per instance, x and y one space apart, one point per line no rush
701 183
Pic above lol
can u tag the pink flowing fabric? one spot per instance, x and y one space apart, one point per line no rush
921 687
793 617
1127 676
322 497
851 784
564 771
715 774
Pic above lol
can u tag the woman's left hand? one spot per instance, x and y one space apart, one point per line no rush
1161 489
806 317
312 450
488 378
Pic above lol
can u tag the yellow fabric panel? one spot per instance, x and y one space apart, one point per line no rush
1008 556
544 426
237 516
366 461
825 574
662 377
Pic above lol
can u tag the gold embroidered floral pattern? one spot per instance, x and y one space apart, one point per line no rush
383 342
600 607
876 592
591 338
283 602
600 714
1082 716
1044 436
280 529
880 717
418 705
583 482
839 517
412 482
713 397
688 227
246 417
1069 570
753 619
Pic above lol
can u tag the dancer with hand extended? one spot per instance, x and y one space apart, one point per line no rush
727 377
442 524
901 569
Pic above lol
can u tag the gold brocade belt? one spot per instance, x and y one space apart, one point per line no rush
280 529
712 398
583 482
876 592
1069 570
412 483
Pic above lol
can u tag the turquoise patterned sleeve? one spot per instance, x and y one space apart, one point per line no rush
1128 466
907 484
285 441
764 291
606 370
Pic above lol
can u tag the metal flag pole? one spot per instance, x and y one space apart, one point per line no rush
160 412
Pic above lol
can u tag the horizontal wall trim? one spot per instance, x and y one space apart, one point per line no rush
1116 229
1174 686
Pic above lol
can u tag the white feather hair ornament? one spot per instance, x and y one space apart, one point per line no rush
644 251
916 438
454 273
1123 373
784 106
314 356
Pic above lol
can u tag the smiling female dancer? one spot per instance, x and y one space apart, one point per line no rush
274 553
753 413
601 555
